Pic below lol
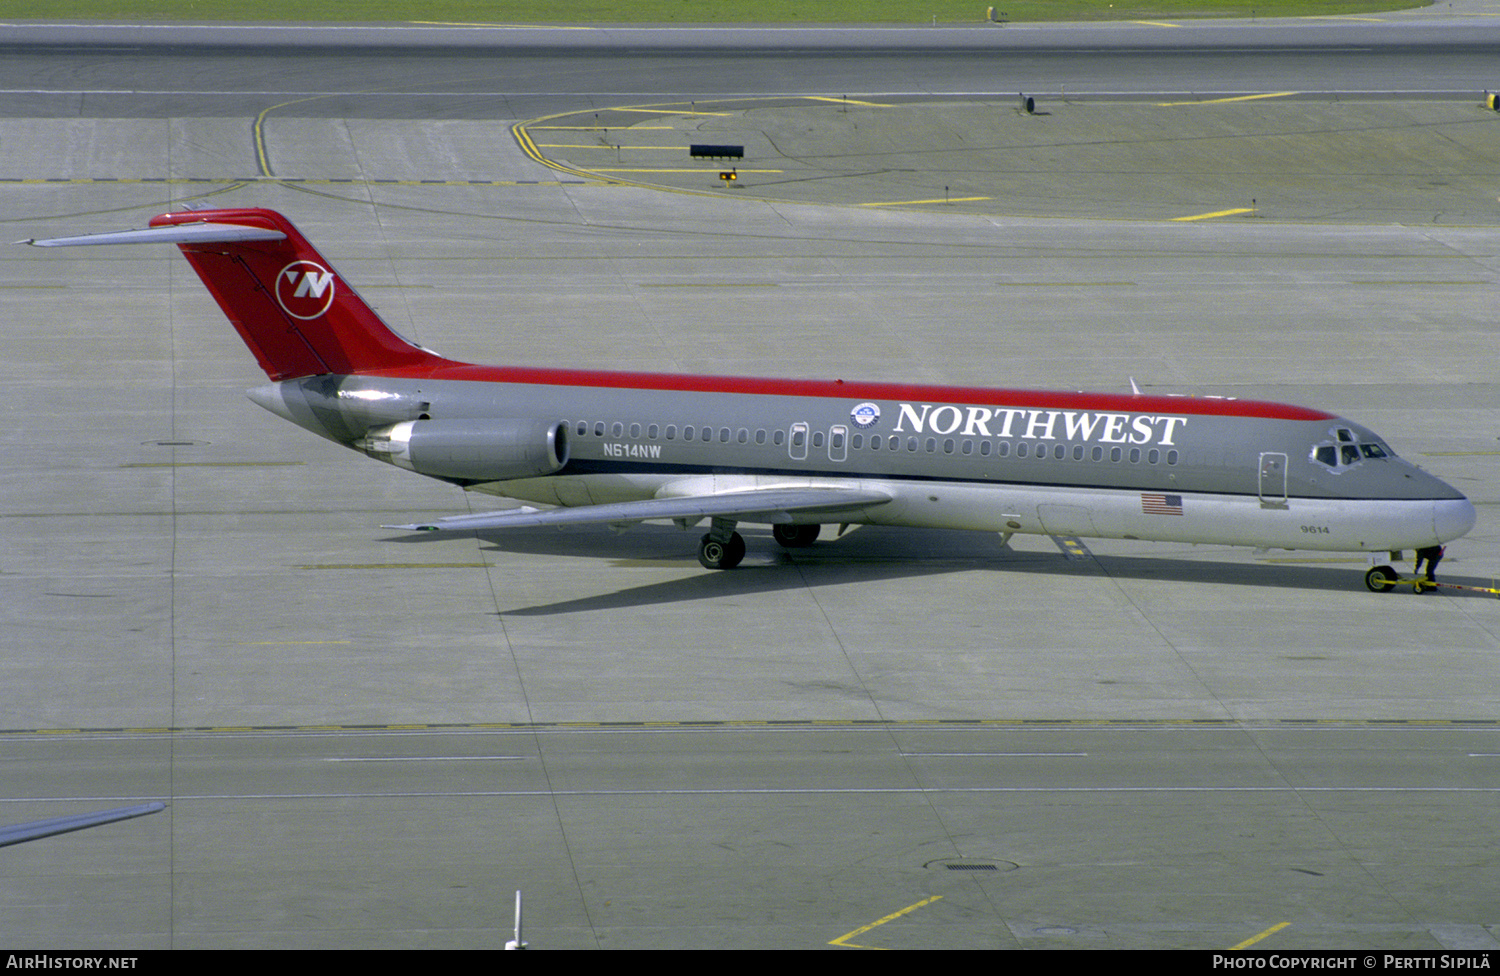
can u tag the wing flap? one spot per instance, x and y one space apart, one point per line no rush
760 505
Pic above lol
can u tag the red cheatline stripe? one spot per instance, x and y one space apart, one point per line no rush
839 389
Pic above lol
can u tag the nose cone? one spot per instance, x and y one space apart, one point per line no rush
1452 517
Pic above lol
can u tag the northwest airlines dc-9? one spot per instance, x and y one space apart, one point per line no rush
618 448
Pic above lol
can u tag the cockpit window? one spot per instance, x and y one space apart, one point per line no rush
1344 448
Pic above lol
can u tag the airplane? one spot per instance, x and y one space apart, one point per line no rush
620 448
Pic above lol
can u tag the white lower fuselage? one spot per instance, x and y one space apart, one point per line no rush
1336 525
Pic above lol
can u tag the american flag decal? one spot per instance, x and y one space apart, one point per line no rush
1161 504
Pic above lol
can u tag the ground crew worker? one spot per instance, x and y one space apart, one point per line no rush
1432 555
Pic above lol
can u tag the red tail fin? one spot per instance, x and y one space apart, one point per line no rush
292 309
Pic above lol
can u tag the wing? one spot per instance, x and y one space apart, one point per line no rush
37 829
774 505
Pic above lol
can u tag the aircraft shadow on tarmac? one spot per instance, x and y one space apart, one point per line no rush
876 553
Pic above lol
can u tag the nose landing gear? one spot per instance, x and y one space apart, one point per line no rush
1382 579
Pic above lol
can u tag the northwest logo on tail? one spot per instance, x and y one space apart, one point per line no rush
304 289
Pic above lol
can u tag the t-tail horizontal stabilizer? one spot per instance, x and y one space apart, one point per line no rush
205 233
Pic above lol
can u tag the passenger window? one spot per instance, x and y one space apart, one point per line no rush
671 432
1154 456
652 431
599 429
687 433
617 430
635 432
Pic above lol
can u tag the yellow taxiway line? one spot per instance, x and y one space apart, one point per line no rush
911 203
842 940
1230 98
1256 938
1216 213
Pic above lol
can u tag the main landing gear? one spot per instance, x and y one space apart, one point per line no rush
796 536
723 548
721 553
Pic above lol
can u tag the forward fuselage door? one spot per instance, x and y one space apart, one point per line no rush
1273 479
